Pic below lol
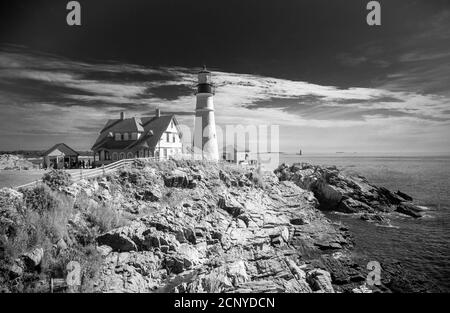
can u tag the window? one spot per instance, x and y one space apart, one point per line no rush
130 155
125 136
114 156
167 137
171 124
173 137
122 155
118 136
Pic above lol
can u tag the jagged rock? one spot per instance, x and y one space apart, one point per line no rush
350 205
298 221
375 218
404 196
230 204
348 194
410 209
178 178
362 289
33 258
174 265
225 235
226 179
16 269
117 240
320 280
154 194
104 250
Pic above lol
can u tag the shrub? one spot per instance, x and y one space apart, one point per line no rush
41 199
56 179
105 216
43 221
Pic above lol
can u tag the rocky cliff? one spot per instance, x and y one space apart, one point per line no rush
348 194
197 227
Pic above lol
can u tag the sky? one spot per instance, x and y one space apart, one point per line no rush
313 67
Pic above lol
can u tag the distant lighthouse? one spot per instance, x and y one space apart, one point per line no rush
205 138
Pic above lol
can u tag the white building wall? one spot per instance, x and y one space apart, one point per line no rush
171 147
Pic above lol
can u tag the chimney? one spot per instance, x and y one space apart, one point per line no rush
122 115
157 113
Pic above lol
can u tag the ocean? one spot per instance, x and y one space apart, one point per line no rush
422 246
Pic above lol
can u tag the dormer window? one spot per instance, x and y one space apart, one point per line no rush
125 136
118 137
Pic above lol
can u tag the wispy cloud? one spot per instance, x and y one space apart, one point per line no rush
66 100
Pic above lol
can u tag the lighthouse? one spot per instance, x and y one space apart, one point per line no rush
205 137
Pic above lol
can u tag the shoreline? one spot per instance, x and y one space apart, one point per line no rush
317 237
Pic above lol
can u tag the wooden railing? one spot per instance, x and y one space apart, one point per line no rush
90 173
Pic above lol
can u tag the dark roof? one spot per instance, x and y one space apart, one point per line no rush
151 128
157 126
133 124
126 125
63 148
110 143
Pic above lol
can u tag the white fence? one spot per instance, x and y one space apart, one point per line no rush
90 173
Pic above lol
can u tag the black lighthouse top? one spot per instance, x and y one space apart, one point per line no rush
204 70
205 84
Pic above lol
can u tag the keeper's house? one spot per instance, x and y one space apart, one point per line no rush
158 136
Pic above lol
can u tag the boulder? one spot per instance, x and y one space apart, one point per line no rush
391 197
179 178
230 204
329 196
362 289
154 194
33 258
117 240
375 218
16 269
104 250
320 280
350 205
237 272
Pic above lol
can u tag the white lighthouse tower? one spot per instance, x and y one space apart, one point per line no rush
205 138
